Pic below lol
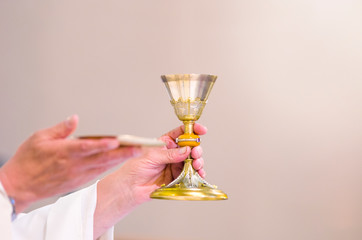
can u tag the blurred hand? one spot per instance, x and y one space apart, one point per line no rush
133 183
48 163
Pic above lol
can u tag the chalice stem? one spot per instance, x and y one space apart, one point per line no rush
189 177
189 127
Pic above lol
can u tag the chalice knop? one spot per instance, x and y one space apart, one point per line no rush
189 94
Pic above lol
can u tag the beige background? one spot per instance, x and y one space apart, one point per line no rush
284 118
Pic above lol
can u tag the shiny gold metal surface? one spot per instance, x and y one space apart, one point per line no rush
189 94
189 194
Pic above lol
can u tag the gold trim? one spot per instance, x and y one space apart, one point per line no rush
189 194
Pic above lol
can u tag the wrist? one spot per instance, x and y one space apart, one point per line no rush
120 193
15 194
113 204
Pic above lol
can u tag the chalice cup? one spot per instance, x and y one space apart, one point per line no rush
189 94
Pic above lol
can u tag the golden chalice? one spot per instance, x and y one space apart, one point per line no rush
189 93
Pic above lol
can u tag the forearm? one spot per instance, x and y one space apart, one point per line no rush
114 201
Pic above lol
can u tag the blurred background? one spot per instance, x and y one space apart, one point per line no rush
284 117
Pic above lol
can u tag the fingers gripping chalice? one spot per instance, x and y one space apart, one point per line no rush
189 93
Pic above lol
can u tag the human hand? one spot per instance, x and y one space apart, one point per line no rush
161 166
48 163
132 184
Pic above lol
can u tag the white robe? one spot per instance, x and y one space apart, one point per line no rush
71 217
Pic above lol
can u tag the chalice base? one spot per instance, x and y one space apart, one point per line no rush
189 186
189 194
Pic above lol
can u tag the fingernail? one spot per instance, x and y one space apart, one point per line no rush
69 121
182 150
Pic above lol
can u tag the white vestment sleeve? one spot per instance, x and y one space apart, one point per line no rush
5 215
71 217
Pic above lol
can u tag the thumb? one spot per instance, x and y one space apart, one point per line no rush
174 155
62 129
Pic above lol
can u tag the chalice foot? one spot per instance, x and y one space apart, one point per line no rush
189 186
